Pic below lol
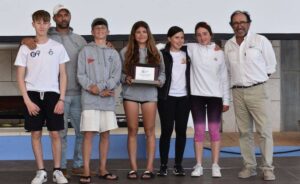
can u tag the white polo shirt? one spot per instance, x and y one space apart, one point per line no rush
42 65
250 62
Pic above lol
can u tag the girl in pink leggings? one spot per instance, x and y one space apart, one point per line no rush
210 107
209 94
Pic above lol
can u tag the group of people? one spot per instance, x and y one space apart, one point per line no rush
61 77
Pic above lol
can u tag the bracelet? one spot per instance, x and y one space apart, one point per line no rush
61 100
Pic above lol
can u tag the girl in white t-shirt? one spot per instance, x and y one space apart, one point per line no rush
173 100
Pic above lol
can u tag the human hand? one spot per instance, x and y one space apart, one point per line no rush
32 108
128 80
159 84
107 92
59 107
29 42
94 89
225 108
110 45
217 47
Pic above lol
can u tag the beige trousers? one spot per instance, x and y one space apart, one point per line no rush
250 104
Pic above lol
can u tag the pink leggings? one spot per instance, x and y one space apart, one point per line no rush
210 107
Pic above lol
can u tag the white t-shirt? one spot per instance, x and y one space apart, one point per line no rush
42 65
178 83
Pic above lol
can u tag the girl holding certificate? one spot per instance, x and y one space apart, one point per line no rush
140 49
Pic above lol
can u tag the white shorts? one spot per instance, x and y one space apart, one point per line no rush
98 121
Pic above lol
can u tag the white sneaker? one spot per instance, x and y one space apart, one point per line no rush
59 178
40 177
216 171
198 171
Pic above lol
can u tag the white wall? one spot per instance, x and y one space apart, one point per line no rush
269 16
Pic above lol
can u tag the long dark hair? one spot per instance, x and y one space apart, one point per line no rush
132 53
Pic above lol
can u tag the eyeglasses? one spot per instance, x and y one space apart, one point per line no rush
236 24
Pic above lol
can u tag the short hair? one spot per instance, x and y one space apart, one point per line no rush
240 12
41 15
205 26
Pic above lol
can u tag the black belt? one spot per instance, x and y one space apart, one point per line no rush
233 87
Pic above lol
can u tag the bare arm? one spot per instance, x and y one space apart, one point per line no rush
59 107
32 108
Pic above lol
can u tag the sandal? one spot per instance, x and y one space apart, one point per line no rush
85 179
109 176
147 175
133 175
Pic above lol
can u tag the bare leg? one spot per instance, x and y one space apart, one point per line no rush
103 150
56 147
198 146
86 152
215 147
37 148
132 112
149 113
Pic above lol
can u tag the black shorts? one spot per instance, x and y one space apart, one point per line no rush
140 102
46 103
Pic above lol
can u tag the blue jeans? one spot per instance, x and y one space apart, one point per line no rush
72 111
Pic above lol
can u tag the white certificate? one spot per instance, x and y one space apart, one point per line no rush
144 73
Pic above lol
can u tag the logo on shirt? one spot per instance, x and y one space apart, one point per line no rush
183 61
110 59
35 53
251 46
90 60
50 52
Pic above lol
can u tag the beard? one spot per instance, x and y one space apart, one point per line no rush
63 25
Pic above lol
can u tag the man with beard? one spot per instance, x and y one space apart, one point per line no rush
73 43
250 60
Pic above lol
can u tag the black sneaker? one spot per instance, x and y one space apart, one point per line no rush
178 170
163 171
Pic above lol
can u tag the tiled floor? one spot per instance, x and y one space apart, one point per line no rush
287 172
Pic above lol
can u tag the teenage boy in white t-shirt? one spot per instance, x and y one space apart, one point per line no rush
42 81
